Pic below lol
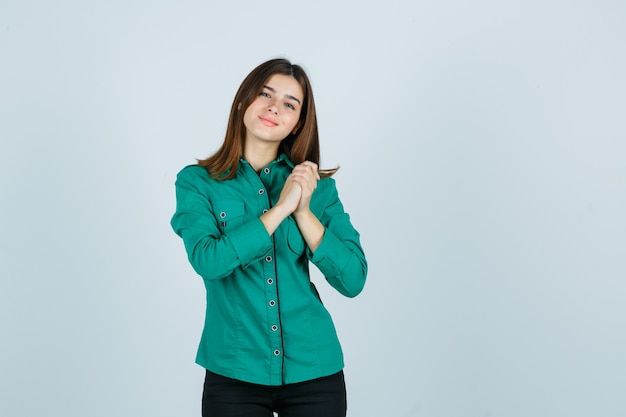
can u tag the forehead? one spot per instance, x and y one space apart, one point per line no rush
285 85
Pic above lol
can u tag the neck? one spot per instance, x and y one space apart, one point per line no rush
259 156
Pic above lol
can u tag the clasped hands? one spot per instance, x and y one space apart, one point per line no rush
294 199
299 186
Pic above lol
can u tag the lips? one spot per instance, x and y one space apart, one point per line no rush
268 121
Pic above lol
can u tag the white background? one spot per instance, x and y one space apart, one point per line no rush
482 152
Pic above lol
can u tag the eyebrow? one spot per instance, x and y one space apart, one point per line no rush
286 95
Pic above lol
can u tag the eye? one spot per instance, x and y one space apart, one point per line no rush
290 106
264 94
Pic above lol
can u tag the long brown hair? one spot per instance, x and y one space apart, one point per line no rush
299 147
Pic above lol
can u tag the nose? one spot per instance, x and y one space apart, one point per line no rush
272 108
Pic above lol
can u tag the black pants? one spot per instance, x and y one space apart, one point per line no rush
226 397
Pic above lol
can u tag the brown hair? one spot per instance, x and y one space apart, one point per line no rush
299 147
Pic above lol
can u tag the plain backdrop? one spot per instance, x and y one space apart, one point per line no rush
482 152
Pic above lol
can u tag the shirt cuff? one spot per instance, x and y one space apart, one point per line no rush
250 241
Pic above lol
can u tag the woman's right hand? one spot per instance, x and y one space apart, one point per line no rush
290 195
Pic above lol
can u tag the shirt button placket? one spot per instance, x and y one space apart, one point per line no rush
273 314
271 288
270 281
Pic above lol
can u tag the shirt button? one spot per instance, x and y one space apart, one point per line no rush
265 211
266 170
270 281
272 303
261 191
222 214
268 259
274 328
276 352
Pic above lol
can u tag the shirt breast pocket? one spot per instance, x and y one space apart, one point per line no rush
295 241
229 214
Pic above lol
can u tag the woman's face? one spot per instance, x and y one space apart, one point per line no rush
275 112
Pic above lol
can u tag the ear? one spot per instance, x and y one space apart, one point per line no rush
295 129
239 106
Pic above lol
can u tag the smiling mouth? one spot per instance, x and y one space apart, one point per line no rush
267 121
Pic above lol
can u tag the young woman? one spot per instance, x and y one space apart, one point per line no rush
252 216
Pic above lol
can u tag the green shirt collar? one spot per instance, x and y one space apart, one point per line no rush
281 158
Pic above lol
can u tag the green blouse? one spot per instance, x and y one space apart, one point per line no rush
265 322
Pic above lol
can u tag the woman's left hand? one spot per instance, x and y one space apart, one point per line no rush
306 175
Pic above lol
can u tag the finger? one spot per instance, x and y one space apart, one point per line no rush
311 164
313 167
304 173
305 184
309 169
305 179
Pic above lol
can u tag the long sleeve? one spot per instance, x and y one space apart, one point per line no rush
215 253
339 256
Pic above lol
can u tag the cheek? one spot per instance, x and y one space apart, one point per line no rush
247 116
292 125
246 123
295 120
